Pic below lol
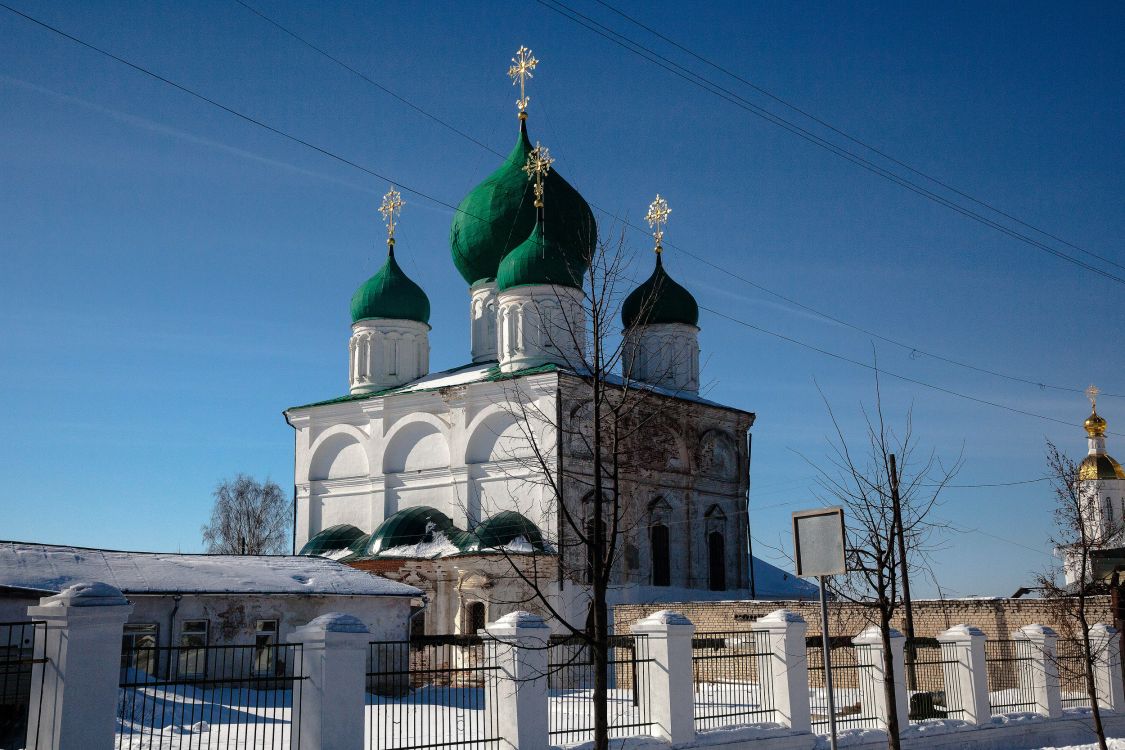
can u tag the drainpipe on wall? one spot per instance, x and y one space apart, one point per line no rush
171 631
750 539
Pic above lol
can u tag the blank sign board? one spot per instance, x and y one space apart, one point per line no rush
818 538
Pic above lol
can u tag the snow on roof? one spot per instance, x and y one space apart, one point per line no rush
44 567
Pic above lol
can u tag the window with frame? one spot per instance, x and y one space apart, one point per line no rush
192 654
267 657
138 647
475 617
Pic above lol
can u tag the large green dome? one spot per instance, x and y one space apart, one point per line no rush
499 214
659 299
541 259
413 526
390 294
506 527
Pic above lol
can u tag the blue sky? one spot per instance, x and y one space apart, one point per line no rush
171 277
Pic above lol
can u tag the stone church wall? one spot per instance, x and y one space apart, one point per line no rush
996 617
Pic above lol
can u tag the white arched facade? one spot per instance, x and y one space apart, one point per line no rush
540 324
387 353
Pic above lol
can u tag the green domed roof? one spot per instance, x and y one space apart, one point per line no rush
505 527
659 300
541 259
413 526
332 539
390 294
499 214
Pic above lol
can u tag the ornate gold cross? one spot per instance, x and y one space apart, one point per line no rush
1092 394
657 217
523 64
538 164
390 208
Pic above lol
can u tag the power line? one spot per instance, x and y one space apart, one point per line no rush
737 100
415 191
914 350
852 138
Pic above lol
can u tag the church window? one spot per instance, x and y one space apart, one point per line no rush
661 556
475 618
716 561
392 356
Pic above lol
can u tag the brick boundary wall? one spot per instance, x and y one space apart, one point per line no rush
996 617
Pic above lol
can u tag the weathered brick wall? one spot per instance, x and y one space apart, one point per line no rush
996 617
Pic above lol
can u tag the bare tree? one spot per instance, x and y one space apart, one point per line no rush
248 518
1082 526
869 478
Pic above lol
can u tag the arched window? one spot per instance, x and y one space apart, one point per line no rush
716 561
475 617
661 555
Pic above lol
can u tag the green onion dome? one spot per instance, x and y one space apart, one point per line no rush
541 259
414 526
659 300
499 214
390 294
504 528
332 539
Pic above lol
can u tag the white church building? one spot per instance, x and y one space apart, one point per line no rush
447 481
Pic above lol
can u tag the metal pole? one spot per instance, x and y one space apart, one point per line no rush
827 653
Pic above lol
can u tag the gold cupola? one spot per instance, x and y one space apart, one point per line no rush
1098 464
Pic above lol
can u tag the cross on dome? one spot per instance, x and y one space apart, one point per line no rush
1092 392
390 208
657 218
538 165
523 65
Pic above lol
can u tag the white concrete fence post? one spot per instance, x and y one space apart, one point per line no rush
1105 643
332 710
1039 676
521 640
789 668
74 694
869 655
968 674
668 675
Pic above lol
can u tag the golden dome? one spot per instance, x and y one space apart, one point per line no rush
1095 425
1099 466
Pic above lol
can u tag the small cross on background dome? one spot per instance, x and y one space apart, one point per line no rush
657 218
390 208
1092 392
538 164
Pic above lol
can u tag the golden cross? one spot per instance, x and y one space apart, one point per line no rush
657 217
538 164
391 207
1092 394
522 66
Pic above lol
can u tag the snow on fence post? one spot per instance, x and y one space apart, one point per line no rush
330 714
668 674
74 694
521 686
1039 674
1106 647
869 656
789 667
967 675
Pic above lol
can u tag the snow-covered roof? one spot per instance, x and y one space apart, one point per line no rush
50 568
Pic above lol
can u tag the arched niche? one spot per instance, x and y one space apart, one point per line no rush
718 456
496 438
415 447
338 456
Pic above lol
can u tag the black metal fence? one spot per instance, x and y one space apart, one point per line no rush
432 691
1072 663
733 678
1010 665
21 648
195 697
853 685
932 680
570 682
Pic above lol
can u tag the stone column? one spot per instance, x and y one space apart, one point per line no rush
968 675
869 655
1039 675
789 668
74 694
521 657
332 705
669 674
1106 647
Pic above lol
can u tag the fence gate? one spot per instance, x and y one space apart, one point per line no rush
21 648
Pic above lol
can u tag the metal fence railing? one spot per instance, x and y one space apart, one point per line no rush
931 680
181 697
1072 664
732 678
432 692
21 648
570 683
853 686
1006 661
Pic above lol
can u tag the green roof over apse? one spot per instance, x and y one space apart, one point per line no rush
390 294
499 214
503 528
412 526
659 299
332 539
